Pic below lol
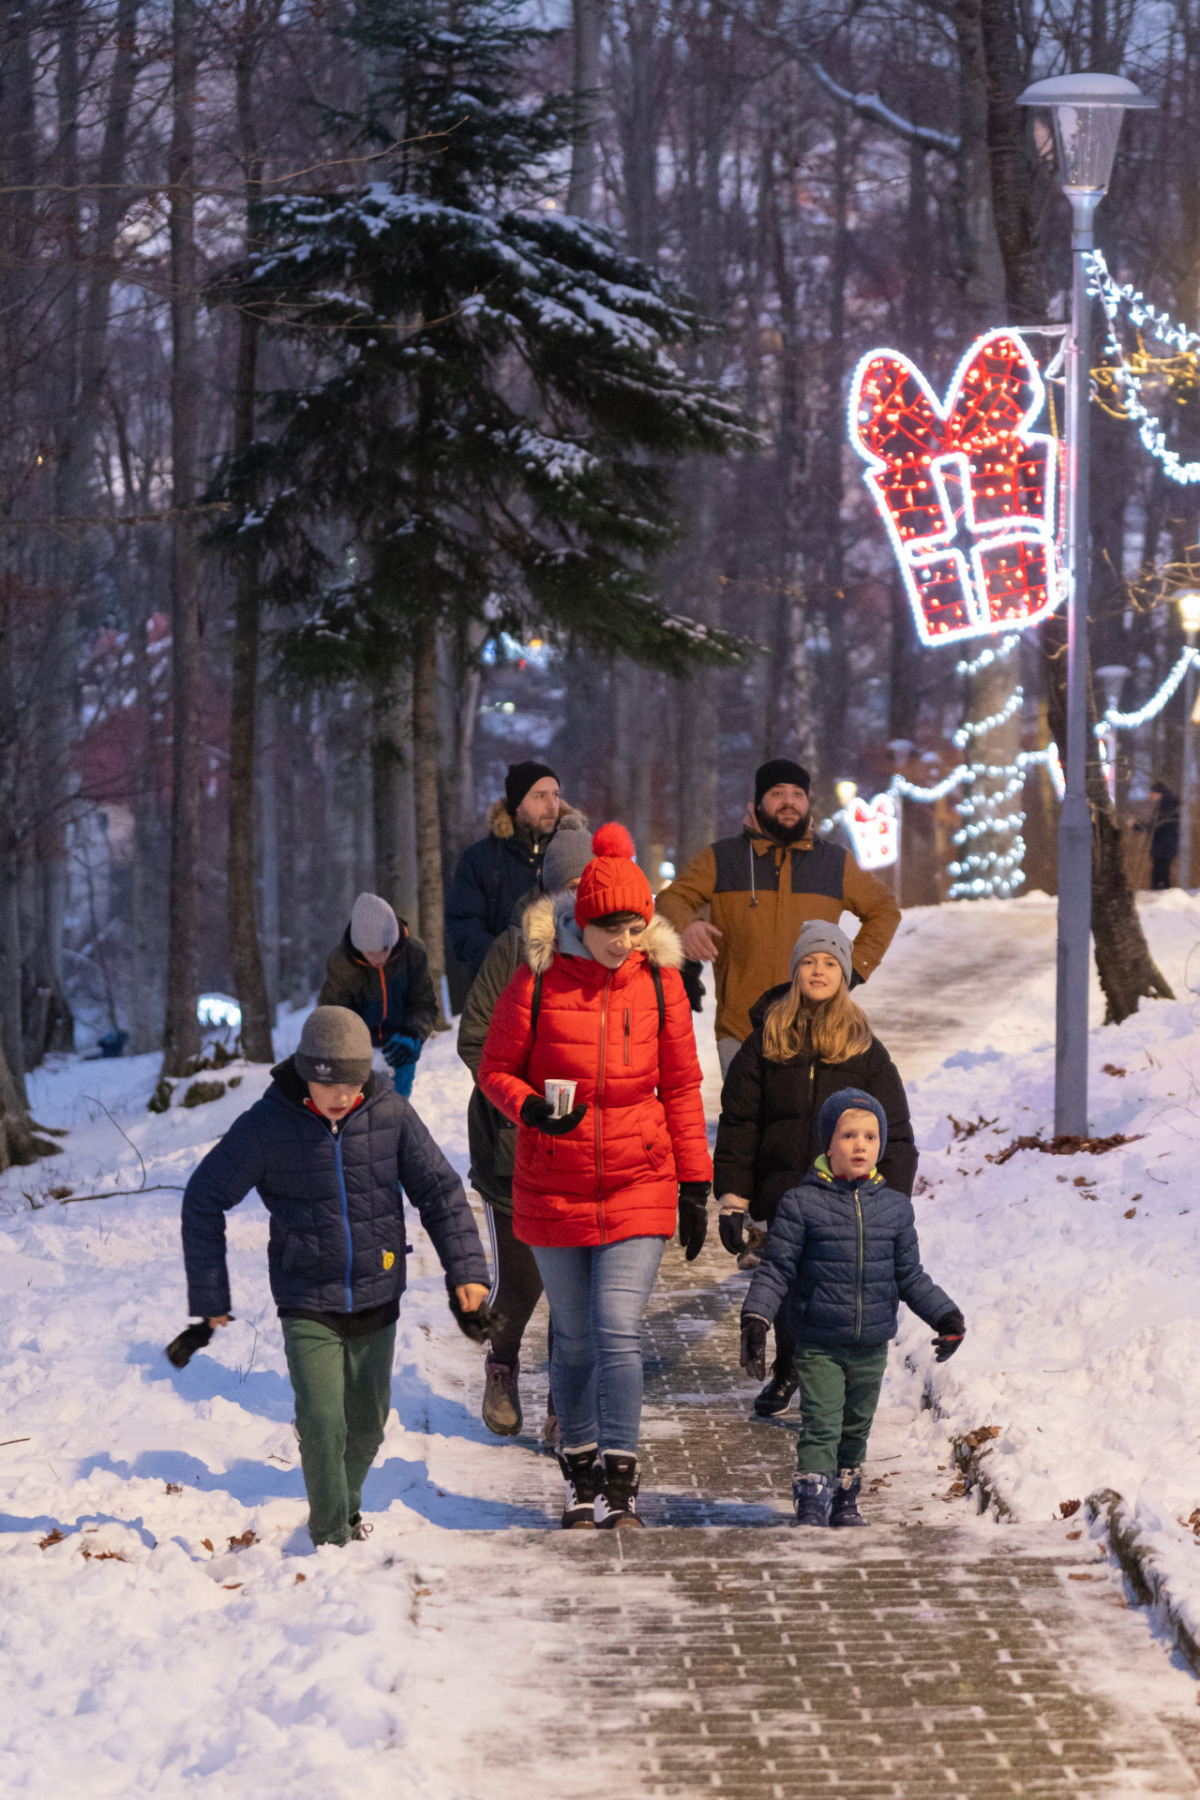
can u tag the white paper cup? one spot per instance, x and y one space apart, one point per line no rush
561 1095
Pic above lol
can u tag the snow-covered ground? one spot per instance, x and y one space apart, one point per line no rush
141 1654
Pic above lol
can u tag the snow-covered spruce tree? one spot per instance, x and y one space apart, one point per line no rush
494 405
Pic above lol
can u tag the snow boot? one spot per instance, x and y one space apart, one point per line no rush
811 1496
844 1510
360 1528
581 1472
616 1502
776 1397
751 1256
501 1397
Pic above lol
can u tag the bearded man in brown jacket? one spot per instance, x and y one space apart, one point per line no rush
761 887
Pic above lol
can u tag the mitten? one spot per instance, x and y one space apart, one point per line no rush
693 987
540 1114
399 1051
754 1346
731 1223
181 1350
951 1329
693 1217
478 1325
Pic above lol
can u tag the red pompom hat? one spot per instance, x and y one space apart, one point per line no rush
612 881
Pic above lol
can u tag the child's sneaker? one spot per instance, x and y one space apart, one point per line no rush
581 1473
360 1528
501 1397
811 1497
844 1510
616 1502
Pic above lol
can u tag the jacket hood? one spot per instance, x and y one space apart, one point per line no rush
500 820
287 1081
822 1176
549 925
765 1002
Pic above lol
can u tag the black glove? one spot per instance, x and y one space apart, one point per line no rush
540 1114
693 987
754 1347
732 1227
181 1350
478 1325
856 980
951 1329
693 1217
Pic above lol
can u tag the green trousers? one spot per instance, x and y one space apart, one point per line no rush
343 1389
839 1391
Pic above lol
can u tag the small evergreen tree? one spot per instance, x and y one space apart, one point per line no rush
495 404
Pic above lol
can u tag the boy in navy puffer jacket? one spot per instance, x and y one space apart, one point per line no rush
327 1151
841 1253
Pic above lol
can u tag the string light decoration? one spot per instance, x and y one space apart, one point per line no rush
874 830
964 487
1129 374
1154 705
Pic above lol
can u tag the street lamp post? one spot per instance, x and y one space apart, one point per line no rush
1189 612
1087 111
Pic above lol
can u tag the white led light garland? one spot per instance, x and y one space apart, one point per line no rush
1150 429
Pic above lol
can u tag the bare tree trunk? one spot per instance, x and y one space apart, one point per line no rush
983 274
181 1034
391 800
425 799
268 846
588 27
1012 186
249 976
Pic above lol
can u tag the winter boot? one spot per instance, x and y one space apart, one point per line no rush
581 1472
501 1397
616 1502
360 1528
551 1437
776 1397
751 1256
811 1496
844 1510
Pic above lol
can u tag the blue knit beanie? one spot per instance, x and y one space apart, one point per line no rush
849 1100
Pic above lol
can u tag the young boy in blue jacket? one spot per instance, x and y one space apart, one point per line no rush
841 1253
327 1150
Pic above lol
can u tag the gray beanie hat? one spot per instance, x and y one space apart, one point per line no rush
335 1047
373 925
817 935
567 854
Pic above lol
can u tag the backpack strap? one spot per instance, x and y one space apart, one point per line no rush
656 978
535 1005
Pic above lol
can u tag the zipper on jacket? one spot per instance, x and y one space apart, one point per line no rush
859 1282
383 985
341 1176
626 1037
599 1098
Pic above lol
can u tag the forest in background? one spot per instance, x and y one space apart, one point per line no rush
192 789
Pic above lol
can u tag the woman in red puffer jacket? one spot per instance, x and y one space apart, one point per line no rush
596 1193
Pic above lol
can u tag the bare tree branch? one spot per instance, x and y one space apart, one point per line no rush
871 107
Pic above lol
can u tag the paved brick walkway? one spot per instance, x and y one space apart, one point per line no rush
936 1654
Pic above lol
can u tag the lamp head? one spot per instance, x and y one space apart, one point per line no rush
1189 609
1087 111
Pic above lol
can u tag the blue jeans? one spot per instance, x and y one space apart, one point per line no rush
597 1297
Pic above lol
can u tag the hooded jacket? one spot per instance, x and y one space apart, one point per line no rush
490 878
616 1175
767 1137
337 1240
399 997
759 894
840 1256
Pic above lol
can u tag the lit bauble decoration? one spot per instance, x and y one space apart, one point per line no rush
965 488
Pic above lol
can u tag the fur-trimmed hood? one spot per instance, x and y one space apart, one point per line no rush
500 820
549 925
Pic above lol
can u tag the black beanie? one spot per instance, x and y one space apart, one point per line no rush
521 777
777 772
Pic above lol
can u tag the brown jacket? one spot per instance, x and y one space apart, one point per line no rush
759 895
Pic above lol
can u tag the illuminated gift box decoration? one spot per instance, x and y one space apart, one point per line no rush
874 828
964 487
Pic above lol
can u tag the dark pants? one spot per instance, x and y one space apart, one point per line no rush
343 1389
517 1285
839 1391
1160 867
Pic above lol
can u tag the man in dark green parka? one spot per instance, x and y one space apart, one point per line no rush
493 1142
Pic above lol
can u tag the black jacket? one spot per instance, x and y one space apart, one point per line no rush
491 1137
397 998
841 1255
337 1215
767 1137
491 877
